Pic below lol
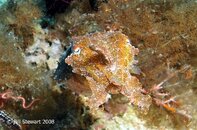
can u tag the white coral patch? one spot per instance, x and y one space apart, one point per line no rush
41 52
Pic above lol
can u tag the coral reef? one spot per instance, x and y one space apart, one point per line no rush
105 73
25 73
19 84
164 32
105 60
23 82
44 52
127 121
21 21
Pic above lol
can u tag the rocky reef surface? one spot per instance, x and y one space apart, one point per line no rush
98 64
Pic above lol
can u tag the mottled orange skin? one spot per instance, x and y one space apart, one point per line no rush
105 60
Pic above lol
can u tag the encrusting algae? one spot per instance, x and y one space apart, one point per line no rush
105 60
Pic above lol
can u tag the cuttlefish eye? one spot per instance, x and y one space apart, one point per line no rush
76 50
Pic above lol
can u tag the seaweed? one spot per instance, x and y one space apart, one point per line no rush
22 21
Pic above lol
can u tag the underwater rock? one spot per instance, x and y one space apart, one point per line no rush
44 52
105 60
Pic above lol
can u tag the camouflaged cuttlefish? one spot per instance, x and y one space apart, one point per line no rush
105 61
